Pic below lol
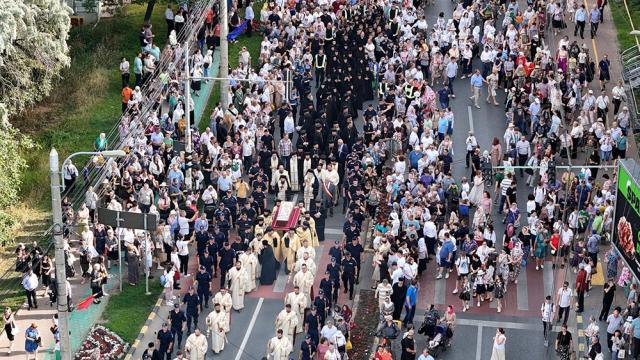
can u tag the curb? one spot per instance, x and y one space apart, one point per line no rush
143 330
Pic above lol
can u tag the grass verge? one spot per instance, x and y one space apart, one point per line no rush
86 100
253 45
127 311
622 23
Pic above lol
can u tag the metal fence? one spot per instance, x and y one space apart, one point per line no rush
630 59
151 90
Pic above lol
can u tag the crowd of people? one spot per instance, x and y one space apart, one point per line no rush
366 128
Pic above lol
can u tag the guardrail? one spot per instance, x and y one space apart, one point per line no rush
96 173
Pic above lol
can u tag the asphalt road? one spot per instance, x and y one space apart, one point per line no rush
254 326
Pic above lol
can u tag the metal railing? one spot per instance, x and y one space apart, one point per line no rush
151 90
630 61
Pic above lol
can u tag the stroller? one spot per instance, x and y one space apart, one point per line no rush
441 341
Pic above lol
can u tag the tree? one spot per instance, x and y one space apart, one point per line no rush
12 166
33 50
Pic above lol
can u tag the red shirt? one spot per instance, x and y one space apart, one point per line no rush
581 280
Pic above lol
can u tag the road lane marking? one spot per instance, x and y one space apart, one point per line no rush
497 324
522 291
479 344
333 231
249 329
470 119
547 278
440 289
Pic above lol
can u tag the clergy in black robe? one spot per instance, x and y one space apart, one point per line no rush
269 264
398 297
319 214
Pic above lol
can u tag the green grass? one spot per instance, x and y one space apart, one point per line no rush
12 295
622 23
86 101
127 311
253 45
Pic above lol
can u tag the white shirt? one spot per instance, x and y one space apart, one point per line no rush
566 236
462 265
565 297
547 311
289 125
430 230
183 248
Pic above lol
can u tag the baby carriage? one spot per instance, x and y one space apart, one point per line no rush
441 340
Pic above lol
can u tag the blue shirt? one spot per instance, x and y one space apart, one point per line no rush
443 125
581 14
636 327
412 294
414 156
595 15
477 80
446 249
137 66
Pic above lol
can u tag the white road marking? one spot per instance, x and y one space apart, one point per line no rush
497 324
333 231
522 291
249 329
478 344
470 119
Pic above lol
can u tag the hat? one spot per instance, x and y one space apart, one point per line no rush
590 91
630 318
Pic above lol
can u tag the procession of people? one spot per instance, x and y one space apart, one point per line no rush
366 128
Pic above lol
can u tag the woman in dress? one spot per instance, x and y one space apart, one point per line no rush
611 259
47 269
133 264
377 260
496 152
516 261
32 341
540 248
498 345
476 193
465 294
9 327
498 292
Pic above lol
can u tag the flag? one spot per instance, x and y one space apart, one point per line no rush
84 304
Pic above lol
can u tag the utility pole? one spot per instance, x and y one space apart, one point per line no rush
61 275
187 135
224 54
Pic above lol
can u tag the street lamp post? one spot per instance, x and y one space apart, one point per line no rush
224 54
58 237
61 276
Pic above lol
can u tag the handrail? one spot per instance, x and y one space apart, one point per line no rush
151 89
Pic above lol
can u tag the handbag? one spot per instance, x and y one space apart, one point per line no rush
622 354
15 330
348 346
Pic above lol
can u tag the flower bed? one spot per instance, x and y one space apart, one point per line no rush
366 323
109 344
